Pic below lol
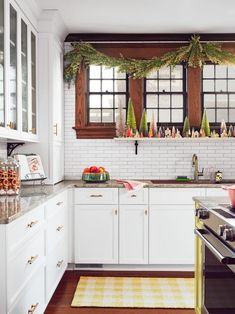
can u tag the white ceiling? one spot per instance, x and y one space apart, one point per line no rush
145 16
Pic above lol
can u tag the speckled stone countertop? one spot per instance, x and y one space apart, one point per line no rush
211 202
13 207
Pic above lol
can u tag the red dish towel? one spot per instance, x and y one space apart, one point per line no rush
132 185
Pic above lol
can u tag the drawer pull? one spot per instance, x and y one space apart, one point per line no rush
32 259
96 195
116 212
59 203
33 308
133 195
32 223
59 263
146 212
59 228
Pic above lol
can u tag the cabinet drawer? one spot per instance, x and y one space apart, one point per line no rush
22 266
32 298
25 227
174 196
96 196
56 204
56 229
134 197
56 265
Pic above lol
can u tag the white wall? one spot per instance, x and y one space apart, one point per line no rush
159 160
3 150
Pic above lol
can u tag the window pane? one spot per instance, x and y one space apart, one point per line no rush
107 73
209 101
95 71
232 115
208 86
222 114
222 100
231 71
151 85
164 86
151 101
164 73
232 101
231 85
150 113
95 115
120 99
107 115
117 113
107 86
221 71
164 101
107 101
95 101
120 86
176 86
153 74
119 75
220 85
95 86
177 115
208 71
177 101
164 115
177 72
211 115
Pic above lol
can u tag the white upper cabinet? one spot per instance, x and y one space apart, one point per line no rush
18 74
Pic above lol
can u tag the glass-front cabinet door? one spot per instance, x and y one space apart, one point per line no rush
2 59
18 73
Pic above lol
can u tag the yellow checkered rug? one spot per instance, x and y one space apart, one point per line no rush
134 292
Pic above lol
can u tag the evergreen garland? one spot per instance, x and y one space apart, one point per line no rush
195 54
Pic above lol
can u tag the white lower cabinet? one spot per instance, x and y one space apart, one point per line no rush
171 235
133 234
96 234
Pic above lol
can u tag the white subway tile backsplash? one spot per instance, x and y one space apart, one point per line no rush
155 160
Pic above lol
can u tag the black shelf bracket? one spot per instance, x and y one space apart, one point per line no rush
11 147
136 147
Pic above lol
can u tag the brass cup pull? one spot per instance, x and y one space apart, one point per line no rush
32 259
55 129
32 223
133 195
59 228
59 263
33 308
59 203
96 195
146 212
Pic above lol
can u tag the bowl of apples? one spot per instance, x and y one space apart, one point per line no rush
95 174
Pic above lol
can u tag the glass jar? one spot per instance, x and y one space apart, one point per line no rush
13 176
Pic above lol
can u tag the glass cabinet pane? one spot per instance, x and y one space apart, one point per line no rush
2 98
12 122
33 82
24 78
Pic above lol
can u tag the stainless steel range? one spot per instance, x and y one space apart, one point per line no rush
215 229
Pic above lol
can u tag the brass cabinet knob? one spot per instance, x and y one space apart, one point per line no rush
33 308
59 263
32 259
59 228
32 223
59 203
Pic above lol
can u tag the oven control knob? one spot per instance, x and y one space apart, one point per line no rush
229 234
221 229
203 214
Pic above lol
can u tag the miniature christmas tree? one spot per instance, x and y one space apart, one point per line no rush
223 127
230 131
205 125
144 124
130 121
120 123
150 132
153 125
186 127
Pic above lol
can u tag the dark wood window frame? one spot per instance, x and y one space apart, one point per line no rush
136 86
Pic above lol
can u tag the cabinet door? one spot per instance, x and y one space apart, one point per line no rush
2 66
96 234
58 162
216 192
171 235
133 234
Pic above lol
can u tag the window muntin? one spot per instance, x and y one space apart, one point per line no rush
107 88
218 92
165 95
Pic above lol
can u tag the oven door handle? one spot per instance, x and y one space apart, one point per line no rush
230 260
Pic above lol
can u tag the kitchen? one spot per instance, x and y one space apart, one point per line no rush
119 129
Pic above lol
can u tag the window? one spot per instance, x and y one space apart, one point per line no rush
107 88
165 94
218 92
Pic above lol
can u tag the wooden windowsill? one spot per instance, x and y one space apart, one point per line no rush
95 132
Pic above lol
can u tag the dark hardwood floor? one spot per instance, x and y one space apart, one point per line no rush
62 298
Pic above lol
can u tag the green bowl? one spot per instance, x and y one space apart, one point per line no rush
95 177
